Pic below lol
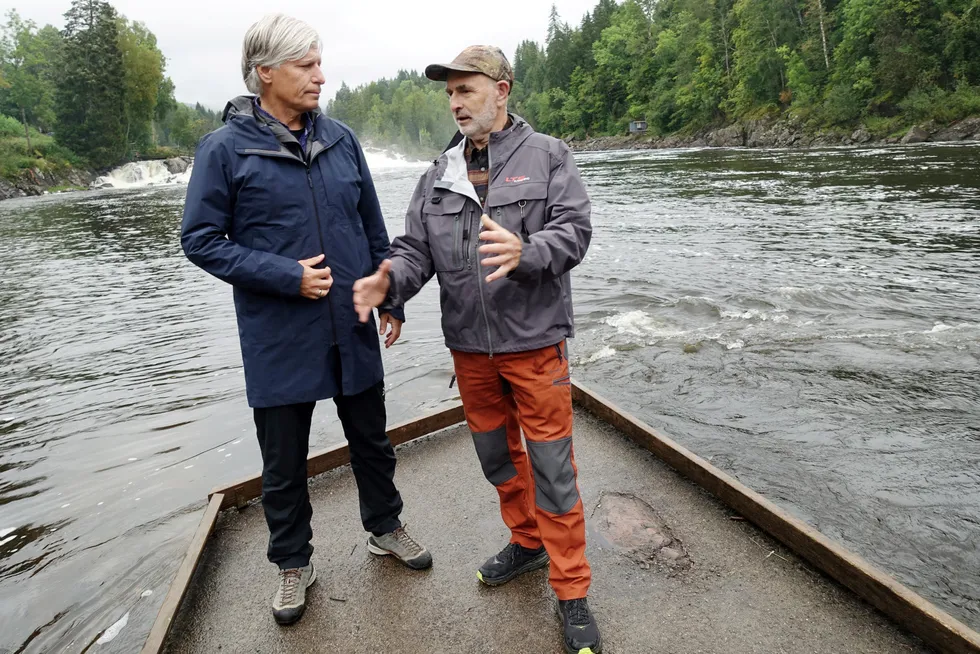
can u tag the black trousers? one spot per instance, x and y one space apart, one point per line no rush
284 438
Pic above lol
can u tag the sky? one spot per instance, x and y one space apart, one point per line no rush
363 40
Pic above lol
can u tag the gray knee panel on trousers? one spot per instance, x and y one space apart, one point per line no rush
554 477
491 448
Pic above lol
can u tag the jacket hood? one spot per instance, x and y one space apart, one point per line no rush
240 105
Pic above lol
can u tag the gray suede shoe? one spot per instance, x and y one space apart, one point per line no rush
289 603
401 546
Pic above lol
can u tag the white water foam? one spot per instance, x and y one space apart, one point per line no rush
109 634
641 324
633 323
378 159
755 314
604 353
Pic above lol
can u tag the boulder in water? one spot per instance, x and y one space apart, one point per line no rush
177 165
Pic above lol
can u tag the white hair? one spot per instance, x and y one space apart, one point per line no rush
273 41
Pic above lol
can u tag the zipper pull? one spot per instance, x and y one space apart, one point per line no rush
309 177
452 382
522 204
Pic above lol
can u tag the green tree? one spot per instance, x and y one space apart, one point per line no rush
92 85
29 57
687 64
143 66
764 26
408 113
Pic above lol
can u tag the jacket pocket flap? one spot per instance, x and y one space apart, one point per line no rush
440 205
511 193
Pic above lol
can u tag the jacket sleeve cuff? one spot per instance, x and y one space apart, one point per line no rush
390 305
529 267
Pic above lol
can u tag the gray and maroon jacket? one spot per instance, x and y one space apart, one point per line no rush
535 191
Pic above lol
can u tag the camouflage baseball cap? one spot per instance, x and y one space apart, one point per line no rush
486 59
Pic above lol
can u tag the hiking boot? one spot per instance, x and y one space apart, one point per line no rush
290 600
581 632
401 546
512 561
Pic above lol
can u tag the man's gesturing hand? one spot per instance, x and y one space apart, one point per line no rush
316 281
505 245
370 292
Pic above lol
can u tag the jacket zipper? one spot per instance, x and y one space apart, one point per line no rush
466 240
319 231
456 249
316 213
479 271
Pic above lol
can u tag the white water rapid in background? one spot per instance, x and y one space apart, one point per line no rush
140 174
378 159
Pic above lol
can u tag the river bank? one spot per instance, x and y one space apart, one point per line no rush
38 181
784 133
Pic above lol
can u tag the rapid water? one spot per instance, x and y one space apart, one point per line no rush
139 174
808 321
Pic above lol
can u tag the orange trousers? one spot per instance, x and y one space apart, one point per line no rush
538 488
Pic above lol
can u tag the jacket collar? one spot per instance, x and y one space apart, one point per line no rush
451 170
253 135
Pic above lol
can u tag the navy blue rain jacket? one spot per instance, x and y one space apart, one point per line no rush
254 209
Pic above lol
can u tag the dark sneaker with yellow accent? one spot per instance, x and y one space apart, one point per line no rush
512 561
289 604
401 546
581 632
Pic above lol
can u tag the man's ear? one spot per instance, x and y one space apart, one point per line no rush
265 73
503 90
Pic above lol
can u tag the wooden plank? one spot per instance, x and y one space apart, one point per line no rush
245 490
178 588
934 626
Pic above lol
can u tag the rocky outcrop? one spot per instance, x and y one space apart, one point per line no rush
34 181
178 165
781 133
961 131
727 137
917 134
861 135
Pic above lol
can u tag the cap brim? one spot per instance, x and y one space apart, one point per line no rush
440 72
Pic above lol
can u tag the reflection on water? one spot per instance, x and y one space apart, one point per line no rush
808 321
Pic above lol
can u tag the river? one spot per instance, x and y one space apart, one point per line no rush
809 321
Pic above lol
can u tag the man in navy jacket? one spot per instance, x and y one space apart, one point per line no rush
281 206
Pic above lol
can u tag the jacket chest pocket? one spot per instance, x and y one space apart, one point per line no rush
520 208
448 230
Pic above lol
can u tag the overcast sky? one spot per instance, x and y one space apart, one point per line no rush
363 39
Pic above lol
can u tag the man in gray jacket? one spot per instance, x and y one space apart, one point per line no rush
506 312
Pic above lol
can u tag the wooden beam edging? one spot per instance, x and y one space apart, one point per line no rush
246 490
182 580
915 613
